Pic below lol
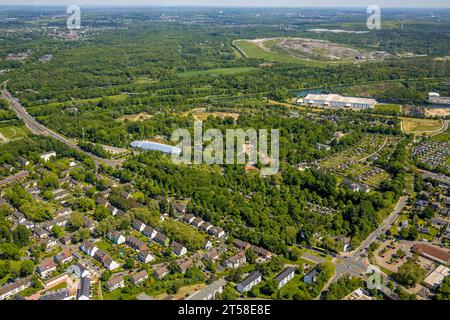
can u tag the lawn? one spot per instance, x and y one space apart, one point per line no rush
218 71
414 125
57 288
13 133
388 108
442 137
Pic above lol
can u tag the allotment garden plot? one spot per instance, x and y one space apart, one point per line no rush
357 163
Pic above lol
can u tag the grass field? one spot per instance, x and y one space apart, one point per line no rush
388 107
252 50
218 71
445 136
411 125
13 133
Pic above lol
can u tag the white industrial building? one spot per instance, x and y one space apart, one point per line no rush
337 101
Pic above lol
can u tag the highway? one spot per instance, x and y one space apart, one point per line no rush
39 129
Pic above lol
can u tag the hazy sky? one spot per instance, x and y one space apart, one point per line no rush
240 3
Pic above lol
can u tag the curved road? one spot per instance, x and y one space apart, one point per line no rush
39 129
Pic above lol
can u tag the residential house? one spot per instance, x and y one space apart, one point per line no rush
139 277
241 245
63 294
252 280
185 265
115 283
213 255
62 222
126 195
197 222
208 244
40 233
235 261
136 244
47 156
145 256
60 194
112 209
65 240
106 260
161 272
84 290
9 290
188 218
285 276
178 249
19 217
28 224
205 226
64 257
180 207
216 232
438 222
18 177
46 267
138 225
88 248
79 270
161 239
66 212
311 276
116 237
149 232
24 162
262 253
48 243
89 223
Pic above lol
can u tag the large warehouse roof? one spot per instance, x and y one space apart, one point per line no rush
155 146
338 98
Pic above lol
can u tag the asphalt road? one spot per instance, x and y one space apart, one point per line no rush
354 263
39 129
387 223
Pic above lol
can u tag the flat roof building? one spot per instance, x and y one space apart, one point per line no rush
155 146
210 292
252 280
338 101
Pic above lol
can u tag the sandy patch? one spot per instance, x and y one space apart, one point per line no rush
437 112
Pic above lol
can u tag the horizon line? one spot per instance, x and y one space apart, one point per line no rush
214 6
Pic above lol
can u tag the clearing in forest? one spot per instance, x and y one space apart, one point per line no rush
12 133
295 49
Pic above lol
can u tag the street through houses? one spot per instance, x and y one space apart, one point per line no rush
355 263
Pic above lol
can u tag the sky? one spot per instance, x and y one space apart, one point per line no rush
239 3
